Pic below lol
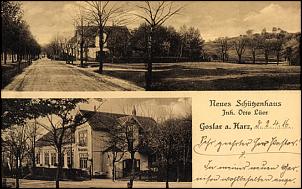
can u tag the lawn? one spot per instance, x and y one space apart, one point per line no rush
210 76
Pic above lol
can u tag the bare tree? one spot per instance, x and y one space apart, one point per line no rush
15 137
155 14
253 42
101 13
240 45
33 133
223 47
116 146
81 25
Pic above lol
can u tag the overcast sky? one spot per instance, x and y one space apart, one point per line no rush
213 19
156 108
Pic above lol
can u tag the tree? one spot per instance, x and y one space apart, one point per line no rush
118 41
81 25
32 134
223 47
240 45
15 137
277 44
100 13
191 42
116 145
172 143
11 16
16 36
155 14
61 121
16 112
166 41
253 42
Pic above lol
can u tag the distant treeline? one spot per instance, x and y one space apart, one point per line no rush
187 44
265 47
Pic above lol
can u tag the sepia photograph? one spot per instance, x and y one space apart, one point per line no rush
150 45
96 143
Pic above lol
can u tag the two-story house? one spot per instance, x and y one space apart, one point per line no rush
90 148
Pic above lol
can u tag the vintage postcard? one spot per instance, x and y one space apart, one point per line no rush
158 94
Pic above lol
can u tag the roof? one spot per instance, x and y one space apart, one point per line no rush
103 121
47 139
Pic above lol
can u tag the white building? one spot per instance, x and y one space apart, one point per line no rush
90 150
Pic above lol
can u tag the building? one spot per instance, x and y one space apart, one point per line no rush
89 148
115 37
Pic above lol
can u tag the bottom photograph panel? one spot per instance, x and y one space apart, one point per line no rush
100 143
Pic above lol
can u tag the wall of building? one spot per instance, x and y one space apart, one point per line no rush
78 150
99 145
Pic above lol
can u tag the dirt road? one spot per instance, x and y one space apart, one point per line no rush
47 75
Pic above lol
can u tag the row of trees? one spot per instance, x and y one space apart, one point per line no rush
185 43
16 36
170 140
153 14
277 43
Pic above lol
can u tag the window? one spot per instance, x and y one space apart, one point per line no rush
83 160
69 159
38 158
53 159
83 138
46 158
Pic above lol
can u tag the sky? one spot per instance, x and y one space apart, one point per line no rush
213 19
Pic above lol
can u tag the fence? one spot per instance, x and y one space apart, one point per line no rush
45 173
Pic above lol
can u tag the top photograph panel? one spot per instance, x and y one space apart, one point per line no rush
150 45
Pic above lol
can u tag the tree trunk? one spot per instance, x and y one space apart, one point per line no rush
5 57
239 58
18 172
59 168
71 55
19 62
254 57
178 171
81 52
132 169
101 54
149 67
266 57
278 57
167 172
113 169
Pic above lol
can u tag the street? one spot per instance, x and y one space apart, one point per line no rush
47 75
98 183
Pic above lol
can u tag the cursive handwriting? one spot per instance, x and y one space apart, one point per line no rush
257 144
249 179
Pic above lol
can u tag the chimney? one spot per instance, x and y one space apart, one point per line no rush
94 107
134 111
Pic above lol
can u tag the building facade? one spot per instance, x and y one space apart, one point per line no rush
90 148
116 39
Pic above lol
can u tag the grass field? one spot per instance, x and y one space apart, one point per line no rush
210 76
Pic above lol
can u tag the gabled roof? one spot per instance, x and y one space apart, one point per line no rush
103 121
47 139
